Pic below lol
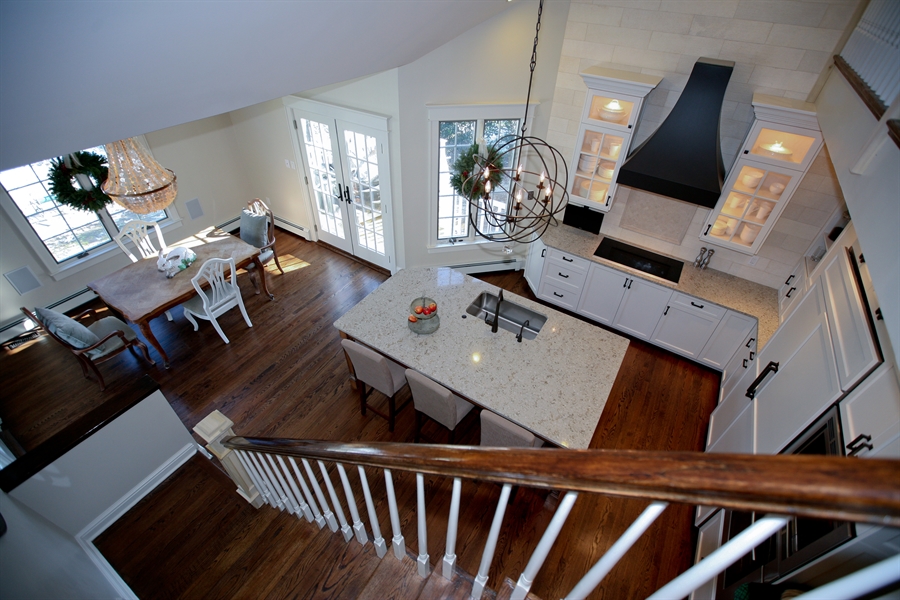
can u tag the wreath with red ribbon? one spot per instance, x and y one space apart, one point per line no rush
87 195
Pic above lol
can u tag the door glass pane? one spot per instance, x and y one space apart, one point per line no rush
365 191
319 156
453 210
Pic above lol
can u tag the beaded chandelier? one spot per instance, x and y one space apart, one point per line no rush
136 181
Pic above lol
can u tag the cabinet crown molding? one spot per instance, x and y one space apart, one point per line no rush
615 80
785 111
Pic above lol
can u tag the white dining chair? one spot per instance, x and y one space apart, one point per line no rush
221 296
433 401
138 233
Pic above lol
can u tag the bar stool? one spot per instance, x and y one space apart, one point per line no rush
497 431
379 373
434 401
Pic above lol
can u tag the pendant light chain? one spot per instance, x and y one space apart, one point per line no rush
537 31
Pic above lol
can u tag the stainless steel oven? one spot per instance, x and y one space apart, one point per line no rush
803 539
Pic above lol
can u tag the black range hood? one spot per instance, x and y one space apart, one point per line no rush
683 158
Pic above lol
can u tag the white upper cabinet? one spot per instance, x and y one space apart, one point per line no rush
782 143
611 112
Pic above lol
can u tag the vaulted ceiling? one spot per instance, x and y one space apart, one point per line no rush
79 74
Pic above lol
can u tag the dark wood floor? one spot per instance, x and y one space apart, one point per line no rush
286 377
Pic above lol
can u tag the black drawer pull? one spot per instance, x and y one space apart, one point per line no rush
543 253
559 295
563 276
788 281
857 445
752 354
665 312
630 281
772 367
568 259
625 284
700 306
790 291
750 341
745 363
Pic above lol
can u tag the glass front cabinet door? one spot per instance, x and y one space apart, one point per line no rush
782 142
611 111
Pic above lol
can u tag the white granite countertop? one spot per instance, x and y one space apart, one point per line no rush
720 288
555 385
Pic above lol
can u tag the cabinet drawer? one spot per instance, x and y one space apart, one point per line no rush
871 412
574 262
710 311
560 296
564 275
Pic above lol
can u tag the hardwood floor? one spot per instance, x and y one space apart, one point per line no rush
194 537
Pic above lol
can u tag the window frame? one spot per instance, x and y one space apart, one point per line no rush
469 112
72 265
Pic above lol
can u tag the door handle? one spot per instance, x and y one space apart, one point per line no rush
340 194
665 312
750 341
788 281
347 193
857 445
543 253
789 292
708 227
745 363
630 281
772 367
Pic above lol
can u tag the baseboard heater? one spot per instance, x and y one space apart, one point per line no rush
511 264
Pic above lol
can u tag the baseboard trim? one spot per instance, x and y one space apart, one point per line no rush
86 536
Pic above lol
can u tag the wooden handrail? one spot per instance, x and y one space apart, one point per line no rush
862 89
814 486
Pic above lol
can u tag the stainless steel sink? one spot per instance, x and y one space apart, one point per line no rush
513 317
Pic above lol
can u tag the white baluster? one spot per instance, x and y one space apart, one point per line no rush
721 559
860 583
593 577
345 527
289 495
490 546
377 541
543 548
274 496
304 507
320 520
423 560
397 542
254 476
452 522
358 527
326 512
275 485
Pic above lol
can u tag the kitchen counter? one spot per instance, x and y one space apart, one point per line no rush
555 385
741 295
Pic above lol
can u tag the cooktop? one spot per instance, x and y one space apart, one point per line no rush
640 259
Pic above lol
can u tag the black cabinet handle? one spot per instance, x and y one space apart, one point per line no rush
665 312
790 291
708 227
700 306
746 152
772 367
750 341
630 281
789 279
543 253
563 276
608 198
859 443
862 258
745 363
752 354
568 259
878 315
558 295
625 284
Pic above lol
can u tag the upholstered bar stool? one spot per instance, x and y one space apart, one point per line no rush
434 401
497 431
379 373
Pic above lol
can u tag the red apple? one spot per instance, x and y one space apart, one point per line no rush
418 310
412 318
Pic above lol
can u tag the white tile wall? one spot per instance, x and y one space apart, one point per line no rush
779 48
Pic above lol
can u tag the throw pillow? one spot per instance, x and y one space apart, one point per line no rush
253 228
66 328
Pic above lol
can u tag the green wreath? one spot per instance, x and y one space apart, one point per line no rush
65 192
465 165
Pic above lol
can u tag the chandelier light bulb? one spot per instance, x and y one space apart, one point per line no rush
487 187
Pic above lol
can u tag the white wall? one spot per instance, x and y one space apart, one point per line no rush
487 64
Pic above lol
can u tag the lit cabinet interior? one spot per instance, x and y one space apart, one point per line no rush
611 111
782 143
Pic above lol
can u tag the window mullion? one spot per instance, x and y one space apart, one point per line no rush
108 222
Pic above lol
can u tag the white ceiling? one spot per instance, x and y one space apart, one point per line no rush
79 74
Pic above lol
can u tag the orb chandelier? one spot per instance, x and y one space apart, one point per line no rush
520 185
136 181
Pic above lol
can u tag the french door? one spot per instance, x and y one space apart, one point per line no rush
347 171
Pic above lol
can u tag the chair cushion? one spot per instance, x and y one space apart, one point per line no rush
66 328
253 228
376 370
103 328
497 431
436 401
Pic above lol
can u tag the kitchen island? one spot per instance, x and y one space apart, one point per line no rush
555 385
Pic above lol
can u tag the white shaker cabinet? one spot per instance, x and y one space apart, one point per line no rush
603 292
870 416
534 264
792 290
732 330
687 324
709 538
742 362
641 308
563 278
797 377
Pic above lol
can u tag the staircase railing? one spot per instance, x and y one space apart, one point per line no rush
280 472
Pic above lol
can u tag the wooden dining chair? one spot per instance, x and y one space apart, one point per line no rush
433 401
258 229
138 233
215 295
92 344
378 372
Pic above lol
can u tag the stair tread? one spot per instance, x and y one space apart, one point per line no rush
394 578
437 587
506 590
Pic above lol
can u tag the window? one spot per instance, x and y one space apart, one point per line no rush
61 235
454 130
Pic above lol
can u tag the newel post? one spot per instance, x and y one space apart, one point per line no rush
214 428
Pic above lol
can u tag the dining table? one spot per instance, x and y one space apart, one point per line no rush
141 292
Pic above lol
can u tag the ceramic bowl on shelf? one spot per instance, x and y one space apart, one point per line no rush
719 226
751 179
587 163
418 308
776 188
749 233
606 168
